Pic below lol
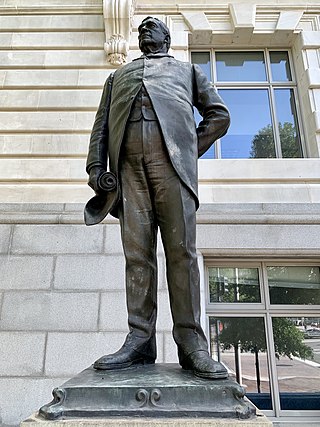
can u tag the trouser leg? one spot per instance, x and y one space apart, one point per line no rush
175 211
139 237
178 231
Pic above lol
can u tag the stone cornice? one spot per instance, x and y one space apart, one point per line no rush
262 6
143 7
52 10
212 213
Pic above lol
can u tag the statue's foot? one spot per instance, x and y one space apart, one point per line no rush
123 358
204 366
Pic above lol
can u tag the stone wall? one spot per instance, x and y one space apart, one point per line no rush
62 302
53 66
56 316
52 70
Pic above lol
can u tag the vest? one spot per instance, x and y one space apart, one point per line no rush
142 107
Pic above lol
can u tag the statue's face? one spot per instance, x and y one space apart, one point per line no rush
151 37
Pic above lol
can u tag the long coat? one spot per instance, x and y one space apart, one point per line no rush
174 87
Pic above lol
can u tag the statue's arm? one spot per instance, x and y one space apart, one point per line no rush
215 115
98 148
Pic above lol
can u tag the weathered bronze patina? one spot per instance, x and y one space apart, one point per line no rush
145 135
157 391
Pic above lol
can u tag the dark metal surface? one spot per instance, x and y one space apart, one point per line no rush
145 132
161 390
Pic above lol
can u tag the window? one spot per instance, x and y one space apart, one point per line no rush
264 324
260 92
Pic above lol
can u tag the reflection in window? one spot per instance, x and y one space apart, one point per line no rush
285 340
294 285
209 154
234 284
298 362
240 67
287 123
280 68
203 60
250 134
240 344
259 90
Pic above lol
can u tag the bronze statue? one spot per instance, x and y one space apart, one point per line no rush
145 134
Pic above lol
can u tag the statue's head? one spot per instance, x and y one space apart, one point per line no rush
154 36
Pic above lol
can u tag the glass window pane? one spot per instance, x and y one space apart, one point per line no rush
203 60
298 362
232 284
209 154
240 344
294 285
240 67
280 67
288 123
250 134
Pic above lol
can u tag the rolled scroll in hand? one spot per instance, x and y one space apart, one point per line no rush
107 181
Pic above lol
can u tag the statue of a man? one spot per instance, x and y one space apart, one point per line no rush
145 133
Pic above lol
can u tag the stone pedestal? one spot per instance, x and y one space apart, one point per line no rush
159 391
259 421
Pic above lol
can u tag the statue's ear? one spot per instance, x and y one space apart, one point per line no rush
167 41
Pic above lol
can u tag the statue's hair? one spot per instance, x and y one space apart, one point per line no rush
163 27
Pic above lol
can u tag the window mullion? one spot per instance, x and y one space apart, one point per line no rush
275 122
217 144
265 286
273 375
213 66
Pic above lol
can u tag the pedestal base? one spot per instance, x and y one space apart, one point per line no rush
158 391
259 421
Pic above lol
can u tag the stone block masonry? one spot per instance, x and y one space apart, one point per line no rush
50 311
62 301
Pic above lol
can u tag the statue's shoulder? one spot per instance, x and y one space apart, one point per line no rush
177 61
130 66
181 64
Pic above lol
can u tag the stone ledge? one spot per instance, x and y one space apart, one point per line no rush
260 421
209 213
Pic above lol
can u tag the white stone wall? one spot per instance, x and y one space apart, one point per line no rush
56 317
62 299
53 65
62 302
52 69
306 54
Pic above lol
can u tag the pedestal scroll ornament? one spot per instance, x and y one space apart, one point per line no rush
118 15
54 409
146 398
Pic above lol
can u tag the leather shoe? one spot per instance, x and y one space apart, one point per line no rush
123 358
204 366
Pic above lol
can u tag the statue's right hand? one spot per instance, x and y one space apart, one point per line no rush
94 174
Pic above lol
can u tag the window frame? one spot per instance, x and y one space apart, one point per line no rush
269 85
266 311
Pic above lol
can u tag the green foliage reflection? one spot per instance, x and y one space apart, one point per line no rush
263 142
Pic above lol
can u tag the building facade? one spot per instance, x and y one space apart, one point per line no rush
62 301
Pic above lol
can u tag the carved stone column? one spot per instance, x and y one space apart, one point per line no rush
118 16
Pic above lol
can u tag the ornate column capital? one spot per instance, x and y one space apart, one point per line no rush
118 15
